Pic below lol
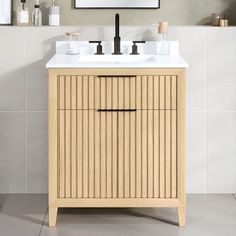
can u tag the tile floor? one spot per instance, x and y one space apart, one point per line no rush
26 215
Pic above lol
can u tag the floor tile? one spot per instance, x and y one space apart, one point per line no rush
206 215
21 214
211 209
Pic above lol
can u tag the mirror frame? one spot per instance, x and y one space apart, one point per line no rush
159 5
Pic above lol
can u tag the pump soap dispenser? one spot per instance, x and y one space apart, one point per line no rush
54 14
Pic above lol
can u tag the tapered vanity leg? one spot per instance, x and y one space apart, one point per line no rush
181 216
52 214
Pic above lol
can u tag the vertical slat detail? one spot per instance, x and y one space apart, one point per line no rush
120 139
168 154
156 154
91 90
97 156
73 137
114 155
173 92
114 138
85 92
68 153
103 137
103 154
156 93
144 92
168 92
73 154
68 92
109 138
73 92
85 152
79 132
91 141
150 154
173 154
79 81
126 138
144 142
132 139
162 92
91 154
138 138
144 136
62 154
97 139
62 92
150 128
162 154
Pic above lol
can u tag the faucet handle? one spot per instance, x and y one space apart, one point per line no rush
99 47
135 47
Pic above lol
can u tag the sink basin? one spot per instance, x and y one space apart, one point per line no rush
116 58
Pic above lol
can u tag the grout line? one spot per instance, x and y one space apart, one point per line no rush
25 115
213 111
21 111
187 111
41 228
206 120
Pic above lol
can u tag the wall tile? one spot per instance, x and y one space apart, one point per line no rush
196 152
40 48
37 152
221 152
192 48
12 145
12 61
221 69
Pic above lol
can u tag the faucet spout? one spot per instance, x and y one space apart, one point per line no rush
117 38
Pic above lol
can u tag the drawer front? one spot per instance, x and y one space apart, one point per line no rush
117 154
117 92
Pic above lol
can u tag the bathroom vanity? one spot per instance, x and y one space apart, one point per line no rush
116 132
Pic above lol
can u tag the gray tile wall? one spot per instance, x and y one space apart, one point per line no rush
211 103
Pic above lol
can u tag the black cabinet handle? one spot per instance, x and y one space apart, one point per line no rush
117 110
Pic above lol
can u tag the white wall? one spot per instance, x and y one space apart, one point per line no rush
211 103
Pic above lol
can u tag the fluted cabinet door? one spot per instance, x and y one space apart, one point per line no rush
118 136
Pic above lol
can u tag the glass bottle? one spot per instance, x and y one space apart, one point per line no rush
37 15
163 39
22 14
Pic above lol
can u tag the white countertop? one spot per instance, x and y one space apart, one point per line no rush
77 61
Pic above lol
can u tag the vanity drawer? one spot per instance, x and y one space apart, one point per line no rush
117 92
96 92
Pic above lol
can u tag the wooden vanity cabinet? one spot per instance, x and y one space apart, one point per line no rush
116 139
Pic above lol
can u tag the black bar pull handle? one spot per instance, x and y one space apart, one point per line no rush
117 110
116 76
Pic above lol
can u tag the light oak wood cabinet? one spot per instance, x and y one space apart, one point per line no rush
116 139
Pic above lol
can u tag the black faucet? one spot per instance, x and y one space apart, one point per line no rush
117 35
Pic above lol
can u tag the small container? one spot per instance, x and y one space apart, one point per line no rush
22 14
73 43
37 15
215 19
224 23
54 14
163 44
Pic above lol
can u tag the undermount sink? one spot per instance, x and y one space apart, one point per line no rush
116 58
